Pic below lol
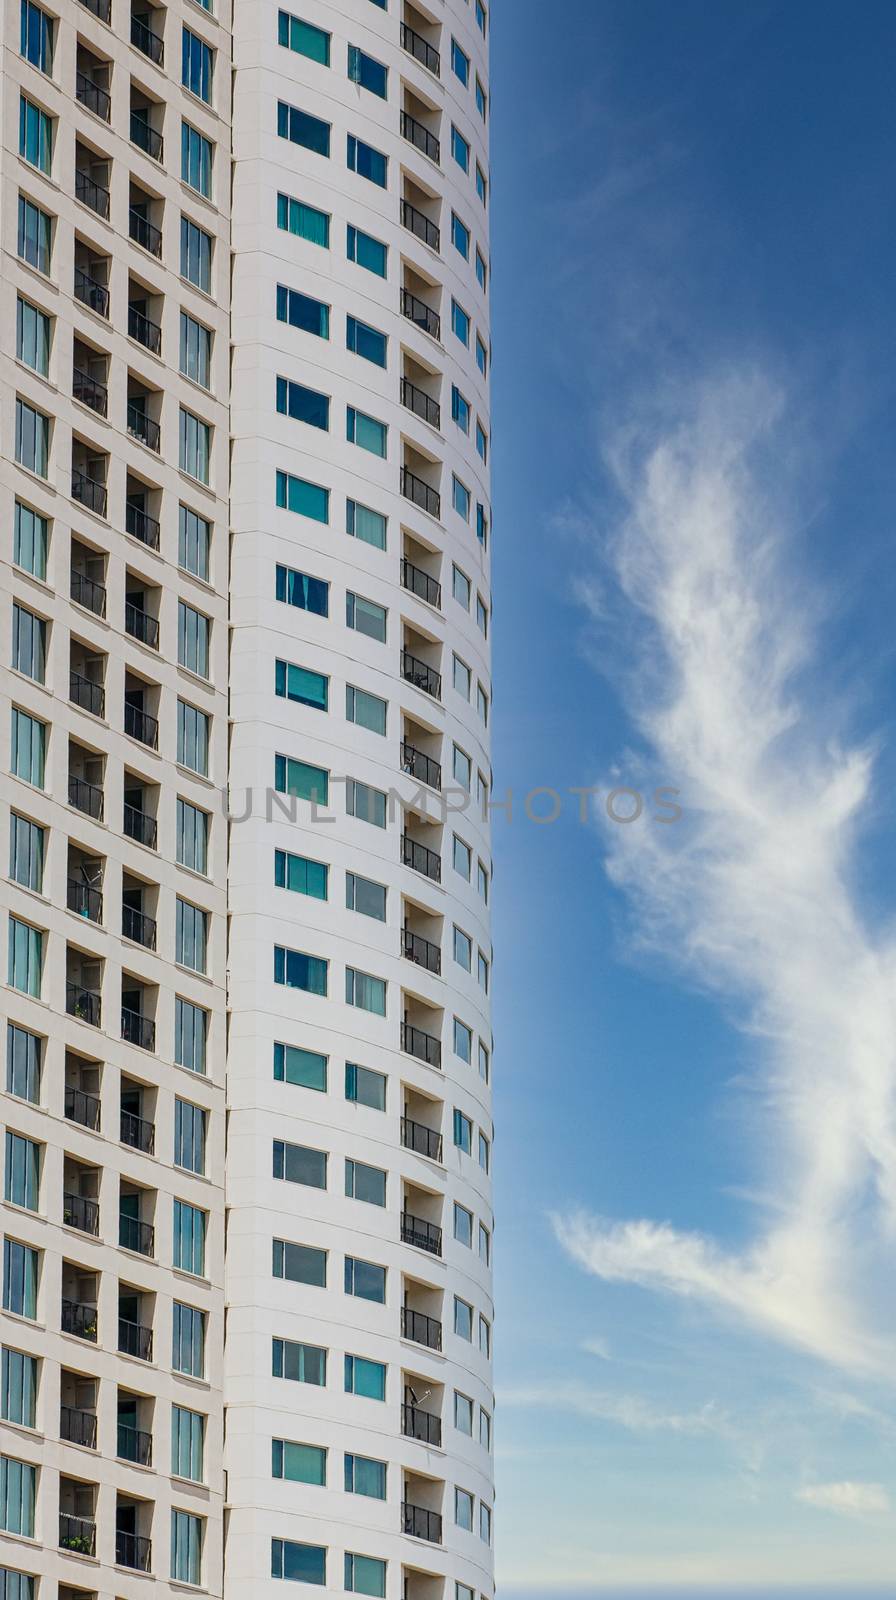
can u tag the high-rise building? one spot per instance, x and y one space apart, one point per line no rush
245 769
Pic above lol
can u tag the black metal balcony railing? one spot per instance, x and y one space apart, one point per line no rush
137 1029
85 693
82 1107
144 232
420 766
421 583
136 1235
138 1132
92 194
88 593
79 1427
90 391
137 926
134 1339
415 399
414 947
144 330
77 1534
421 1234
421 1524
91 95
421 858
81 1213
421 1329
140 525
420 49
86 797
100 8
422 494
420 137
133 1550
91 292
84 900
83 1004
79 1319
89 492
418 223
421 1425
150 43
421 675
140 826
134 1445
143 428
422 315
146 138
140 625
422 1140
141 725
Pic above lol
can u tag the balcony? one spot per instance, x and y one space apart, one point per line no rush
422 1140
137 926
421 859
142 427
86 694
144 330
145 137
420 766
421 1234
422 494
91 292
91 193
138 1132
421 1524
421 1425
78 1427
84 900
143 39
81 1213
137 1029
419 224
134 1445
82 1107
79 1318
140 525
144 232
136 1235
421 1329
419 582
140 625
421 675
89 492
420 137
134 1340
87 592
140 725
140 826
77 1534
422 315
90 391
417 400
93 96
85 1004
420 48
85 796
132 1550
421 951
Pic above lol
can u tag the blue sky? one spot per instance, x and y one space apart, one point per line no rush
693 265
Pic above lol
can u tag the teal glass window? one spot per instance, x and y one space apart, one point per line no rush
460 149
365 1476
298 1463
366 803
197 66
481 271
21 1266
32 439
300 684
463 1041
187 1443
24 1053
18 1487
299 127
302 311
297 589
461 498
37 36
366 251
364 1087
298 1163
196 155
18 1388
365 992
300 874
460 63
303 37
306 222
33 336
26 852
366 161
26 956
460 236
35 236
481 441
303 405
481 356
365 1378
307 1069
366 432
190 1225
361 522
367 72
189 1136
365 616
365 896
299 1263
188 1340
460 323
195 255
35 135
365 1574
365 1280
460 409
186 1547
365 341
307 499
190 1034
299 1363
296 970
194 538
299 1563
365 710
301 779
22 1172
363 1182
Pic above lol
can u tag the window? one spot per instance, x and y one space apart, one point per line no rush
482 615
485 1429
188 1340
365 616
365 803
485 1336
460 323
364 524
460 238
485 1244
483 1061
366 1378
481 357
29 643
366 432
187 1443
463 1225
481 525
481 441
197 65
298 1163
460 149
195 350
480 17
32 439
195 255
33 331
365 1280
299 1263
306 222
461 587
364 1476
463 1041
365 710
304 38
300 874
18 1399
18 1485
367 162
365 992
20 1273
303 311
190 1031
299 1563
483 971
481 275
481 185
35 241
485 1151
189 1136
194 539
191 936
365 1574
463 1133
362 895
365 1087
196 160
193 630
367 72
298 589
302 404
308 499
463 1509
37 36
189 1238
192 837
365 341
296 970
307 688
481 100
483 881
26 956
463 1414
35 135
24 1051
298 1463
461 497
302 780
299 1363
366 251
460 63
463 768
460 409
26 852
463 949
463 858
186 1547
462 678
299 127
16 1585
485 1522
307 1069
365 1183
195 446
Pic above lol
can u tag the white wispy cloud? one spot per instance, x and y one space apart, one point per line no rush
852 1499
753 889
630 1411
